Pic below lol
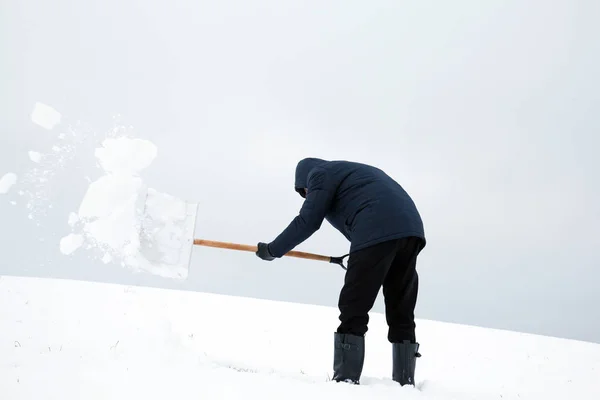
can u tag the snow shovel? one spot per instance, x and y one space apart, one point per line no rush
293 253
167 227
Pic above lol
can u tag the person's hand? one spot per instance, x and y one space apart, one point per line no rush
263 252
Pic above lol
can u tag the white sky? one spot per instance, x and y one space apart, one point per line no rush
484 111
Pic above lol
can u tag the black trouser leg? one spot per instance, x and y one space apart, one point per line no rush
392 265
365 274
400 290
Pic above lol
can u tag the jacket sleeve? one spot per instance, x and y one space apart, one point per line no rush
321 192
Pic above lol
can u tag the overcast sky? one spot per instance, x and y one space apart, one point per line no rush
486 112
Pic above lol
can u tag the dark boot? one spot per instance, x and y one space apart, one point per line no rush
348 357
404 356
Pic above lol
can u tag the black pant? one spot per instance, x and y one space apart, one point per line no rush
391 265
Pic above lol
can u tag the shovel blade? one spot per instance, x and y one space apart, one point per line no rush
166 235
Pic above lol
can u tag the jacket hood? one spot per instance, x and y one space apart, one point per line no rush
302 170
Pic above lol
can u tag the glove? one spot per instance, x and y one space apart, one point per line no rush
263 252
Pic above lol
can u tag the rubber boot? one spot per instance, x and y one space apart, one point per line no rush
348 357
404 356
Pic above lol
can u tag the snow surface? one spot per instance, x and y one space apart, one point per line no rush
7 181
45 116
65 340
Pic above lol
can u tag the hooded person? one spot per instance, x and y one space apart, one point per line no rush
385 231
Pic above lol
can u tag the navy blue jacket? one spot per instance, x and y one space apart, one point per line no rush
360 201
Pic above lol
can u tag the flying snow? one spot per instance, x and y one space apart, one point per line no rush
110 210
70 243
126 220
6 182
35 156
45 116
119 215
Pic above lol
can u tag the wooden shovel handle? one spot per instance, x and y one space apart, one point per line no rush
245 247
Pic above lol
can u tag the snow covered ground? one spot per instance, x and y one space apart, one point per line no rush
62 339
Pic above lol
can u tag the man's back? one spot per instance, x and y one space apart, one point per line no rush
368 207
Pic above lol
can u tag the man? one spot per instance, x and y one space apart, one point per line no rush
386 235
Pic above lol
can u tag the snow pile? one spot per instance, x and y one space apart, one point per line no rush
145 229
65 339
7 182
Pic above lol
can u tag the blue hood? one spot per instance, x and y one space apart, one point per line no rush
302 170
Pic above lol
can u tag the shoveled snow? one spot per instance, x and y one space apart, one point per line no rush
45 116
144 229
66 340
111 208
73 218
6 182
126 156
